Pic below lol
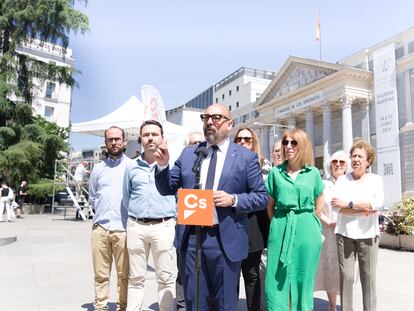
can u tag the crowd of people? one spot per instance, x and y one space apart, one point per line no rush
287 231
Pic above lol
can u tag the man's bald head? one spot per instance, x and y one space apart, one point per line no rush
217 123
218 109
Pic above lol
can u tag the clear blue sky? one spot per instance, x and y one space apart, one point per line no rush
182 47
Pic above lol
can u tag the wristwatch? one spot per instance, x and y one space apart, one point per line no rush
233 199
351 204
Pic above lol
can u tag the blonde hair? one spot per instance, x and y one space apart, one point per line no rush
255 143
304 149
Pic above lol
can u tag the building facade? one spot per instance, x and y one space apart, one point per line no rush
338 103
52 99
238 90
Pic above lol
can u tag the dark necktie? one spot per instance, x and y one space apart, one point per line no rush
211 169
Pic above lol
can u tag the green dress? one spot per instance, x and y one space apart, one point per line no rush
295 239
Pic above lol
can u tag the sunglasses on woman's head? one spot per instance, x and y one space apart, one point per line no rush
246 139
292 142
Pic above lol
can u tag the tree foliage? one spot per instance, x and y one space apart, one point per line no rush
29 144
24 20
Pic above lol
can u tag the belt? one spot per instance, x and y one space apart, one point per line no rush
150 220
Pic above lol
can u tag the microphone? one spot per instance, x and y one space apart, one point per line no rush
202 153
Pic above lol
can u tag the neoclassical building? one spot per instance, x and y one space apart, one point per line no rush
329 101
338 103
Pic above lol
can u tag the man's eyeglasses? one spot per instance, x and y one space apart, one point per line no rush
339 162
215 117
115 140
293 142
246 139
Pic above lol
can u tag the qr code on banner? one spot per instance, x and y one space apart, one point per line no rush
388 169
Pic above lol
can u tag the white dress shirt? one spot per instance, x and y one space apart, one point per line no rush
221 156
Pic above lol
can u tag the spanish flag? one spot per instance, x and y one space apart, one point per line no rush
318 28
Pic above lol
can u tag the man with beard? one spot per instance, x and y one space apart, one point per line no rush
109 224
151 223
233 172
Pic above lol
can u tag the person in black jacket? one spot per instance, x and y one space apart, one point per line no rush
258 228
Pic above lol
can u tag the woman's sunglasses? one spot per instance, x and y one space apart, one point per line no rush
293 142
246 139
340 162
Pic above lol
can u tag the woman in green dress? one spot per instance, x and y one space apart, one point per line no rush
295 240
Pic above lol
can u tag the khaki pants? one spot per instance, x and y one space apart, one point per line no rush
108 246
367 252
159 238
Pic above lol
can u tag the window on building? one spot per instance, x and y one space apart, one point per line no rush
222 96
237 104
229 92
258 95
216 99
399 52
50 89
237 88
411 47
229 107
49 111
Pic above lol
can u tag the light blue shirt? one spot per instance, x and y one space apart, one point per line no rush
105 193
141 195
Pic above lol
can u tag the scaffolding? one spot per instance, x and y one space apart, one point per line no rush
75 203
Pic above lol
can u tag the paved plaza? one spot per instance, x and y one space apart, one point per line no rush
49 267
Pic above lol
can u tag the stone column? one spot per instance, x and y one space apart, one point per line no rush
408 105
327 140
347 136
265 141
366 133
291 121
309 124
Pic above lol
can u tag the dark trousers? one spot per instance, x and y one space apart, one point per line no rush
218 276
250 269
180 302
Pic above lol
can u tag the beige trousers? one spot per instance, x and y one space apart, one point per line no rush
108 246
366 250
159 238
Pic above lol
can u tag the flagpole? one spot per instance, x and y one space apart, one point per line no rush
320 46
318 34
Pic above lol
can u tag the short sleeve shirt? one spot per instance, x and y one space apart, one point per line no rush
298 194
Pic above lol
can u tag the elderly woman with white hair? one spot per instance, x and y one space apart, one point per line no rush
327 277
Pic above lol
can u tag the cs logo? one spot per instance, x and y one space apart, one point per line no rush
195 207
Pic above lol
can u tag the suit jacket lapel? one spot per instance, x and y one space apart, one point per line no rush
228 165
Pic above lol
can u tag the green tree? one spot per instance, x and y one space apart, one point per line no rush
29 144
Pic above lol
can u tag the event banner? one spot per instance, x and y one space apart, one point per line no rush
387 128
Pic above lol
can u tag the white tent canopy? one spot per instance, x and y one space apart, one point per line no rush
129 117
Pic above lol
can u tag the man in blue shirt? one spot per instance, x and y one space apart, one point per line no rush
109 224
151 223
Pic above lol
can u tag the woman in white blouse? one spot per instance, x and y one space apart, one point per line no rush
358 196
327 277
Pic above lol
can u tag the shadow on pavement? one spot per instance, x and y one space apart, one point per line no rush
89 306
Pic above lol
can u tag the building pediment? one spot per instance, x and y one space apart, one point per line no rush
295 74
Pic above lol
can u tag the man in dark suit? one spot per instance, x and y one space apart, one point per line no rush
234 174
